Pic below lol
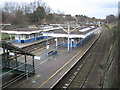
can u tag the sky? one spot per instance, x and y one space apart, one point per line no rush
90 8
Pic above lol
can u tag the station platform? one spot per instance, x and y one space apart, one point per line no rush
22 45
49 72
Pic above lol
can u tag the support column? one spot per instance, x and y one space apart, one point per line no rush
19 39
10 38
68 38
47 47
16 58
56 43
35 36
33 64
26 65
8 60
4 55
71 44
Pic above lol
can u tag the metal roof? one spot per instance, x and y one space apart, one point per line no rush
74 34
28 30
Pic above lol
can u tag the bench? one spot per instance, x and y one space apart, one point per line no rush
52 53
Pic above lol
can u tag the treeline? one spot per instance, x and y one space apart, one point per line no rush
31 13
111 18
37 12
25 13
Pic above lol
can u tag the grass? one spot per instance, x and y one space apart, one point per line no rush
111 25
6 36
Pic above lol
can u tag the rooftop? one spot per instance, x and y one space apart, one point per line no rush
30 30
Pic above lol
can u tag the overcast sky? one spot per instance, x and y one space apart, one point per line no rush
91 8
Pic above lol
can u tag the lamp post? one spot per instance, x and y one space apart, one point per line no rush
68 37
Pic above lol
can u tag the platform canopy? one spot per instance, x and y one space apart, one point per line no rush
28 30
20 32
70 35
63 35
85 29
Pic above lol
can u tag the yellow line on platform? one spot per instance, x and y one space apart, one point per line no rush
59 70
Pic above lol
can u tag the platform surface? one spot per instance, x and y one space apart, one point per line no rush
21 45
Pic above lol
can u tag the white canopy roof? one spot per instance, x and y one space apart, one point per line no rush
85 29
20 32
28 32
70 35
63 35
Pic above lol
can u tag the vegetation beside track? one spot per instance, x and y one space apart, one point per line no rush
110 65
6 37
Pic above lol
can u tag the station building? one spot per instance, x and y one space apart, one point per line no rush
26 35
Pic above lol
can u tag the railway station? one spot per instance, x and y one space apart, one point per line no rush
59 45
48 62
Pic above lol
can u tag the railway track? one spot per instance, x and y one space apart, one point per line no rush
85 64
36 47
101 55
36 51
94 62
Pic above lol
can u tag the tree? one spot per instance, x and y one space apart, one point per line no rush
19 18
110 18
38 15
50 18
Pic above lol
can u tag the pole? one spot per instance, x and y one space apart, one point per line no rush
71 45
56 43
68 38
35 36
0 36
47 47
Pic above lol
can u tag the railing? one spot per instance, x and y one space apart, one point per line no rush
11 64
